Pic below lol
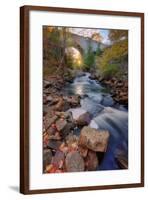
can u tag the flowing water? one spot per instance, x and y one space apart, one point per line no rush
107 115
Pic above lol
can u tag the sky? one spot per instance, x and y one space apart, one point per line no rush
88 33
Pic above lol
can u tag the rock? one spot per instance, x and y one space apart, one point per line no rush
46 109
62 105
59 105
72 142
68 129
46 84
83 151
91 161
74 162
93 139
49 120
57 136
51 169
64 127
53 101
51 131
64 148
122 159
63 115
49 98
107 101
47 157
61 124
74 101
77 112
83 119
54 144
58 159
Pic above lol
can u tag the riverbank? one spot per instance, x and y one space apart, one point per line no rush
118 87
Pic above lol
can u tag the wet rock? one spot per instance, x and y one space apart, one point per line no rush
93 139
107 101
84 119
47 157
91 161
74 162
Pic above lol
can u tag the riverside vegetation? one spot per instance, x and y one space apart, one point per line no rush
85 102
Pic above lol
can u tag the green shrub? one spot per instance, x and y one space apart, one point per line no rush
110 70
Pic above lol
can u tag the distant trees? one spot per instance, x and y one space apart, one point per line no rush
118 35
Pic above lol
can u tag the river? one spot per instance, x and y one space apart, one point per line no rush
106 115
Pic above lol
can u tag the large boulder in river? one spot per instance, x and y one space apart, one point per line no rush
74 162
93 139
84 119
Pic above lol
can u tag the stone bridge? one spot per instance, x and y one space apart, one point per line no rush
82 43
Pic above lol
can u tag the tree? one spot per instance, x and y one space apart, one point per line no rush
118 35
89 58
111 60
97 37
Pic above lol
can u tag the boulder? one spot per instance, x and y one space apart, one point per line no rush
47 157
91 161
83 119
74 162
93 139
